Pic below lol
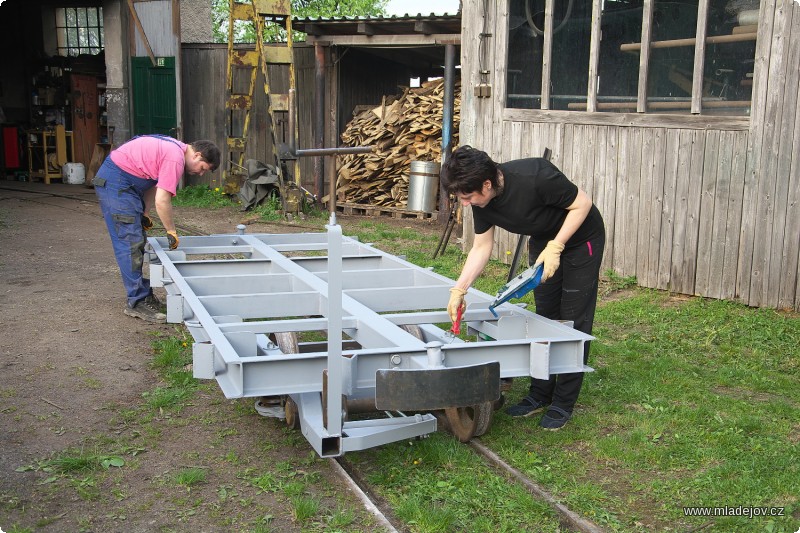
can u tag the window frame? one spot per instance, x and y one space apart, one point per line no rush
62 31
642 117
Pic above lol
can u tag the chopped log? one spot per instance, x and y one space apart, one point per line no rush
402 129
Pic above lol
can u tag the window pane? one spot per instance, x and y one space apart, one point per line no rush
569 71
72 20
728 75
94 37
728 65
61 18
669 83
524 82
72 37
92 17
618 71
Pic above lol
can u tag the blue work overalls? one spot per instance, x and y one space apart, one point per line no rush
121 198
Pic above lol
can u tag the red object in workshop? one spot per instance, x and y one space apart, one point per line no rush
10 147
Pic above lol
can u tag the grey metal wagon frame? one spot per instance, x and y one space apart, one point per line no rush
249 300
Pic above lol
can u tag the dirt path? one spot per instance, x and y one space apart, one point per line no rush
76 372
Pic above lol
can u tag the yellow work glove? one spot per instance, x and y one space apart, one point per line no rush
172 237
456 302
551 257
147 223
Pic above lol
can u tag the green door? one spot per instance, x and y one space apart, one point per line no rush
154 102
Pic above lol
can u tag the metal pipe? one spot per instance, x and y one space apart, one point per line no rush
319 119
447 119
333 151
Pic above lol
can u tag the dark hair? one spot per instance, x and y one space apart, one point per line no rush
209 151
466 169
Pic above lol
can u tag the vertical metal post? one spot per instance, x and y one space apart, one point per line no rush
334 315
447 120
293 123
319 118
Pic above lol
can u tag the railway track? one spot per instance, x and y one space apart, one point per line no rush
346 470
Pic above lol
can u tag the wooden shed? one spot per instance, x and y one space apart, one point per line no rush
361 60
679 118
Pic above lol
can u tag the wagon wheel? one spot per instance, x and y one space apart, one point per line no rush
271 405
414 330
505 386
472 421
286 341
292 414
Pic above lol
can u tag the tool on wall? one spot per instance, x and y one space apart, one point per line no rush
243 66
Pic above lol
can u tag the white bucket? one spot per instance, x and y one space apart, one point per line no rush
74 173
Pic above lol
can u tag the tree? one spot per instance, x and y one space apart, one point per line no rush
244 33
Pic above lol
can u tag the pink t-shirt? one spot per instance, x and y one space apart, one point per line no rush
153 158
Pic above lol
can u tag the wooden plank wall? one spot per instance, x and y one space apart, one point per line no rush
692 209
204 69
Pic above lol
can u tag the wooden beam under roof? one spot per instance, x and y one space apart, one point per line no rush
365 28
387 40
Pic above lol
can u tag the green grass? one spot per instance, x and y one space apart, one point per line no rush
74 461
269 210
190 477
304 508
202 196
439 484
171 359
693 403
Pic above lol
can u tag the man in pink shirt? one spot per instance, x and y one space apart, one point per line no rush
143 173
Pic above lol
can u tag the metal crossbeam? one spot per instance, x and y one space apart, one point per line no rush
233 291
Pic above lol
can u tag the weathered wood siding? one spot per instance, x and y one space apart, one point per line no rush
203 71
693 204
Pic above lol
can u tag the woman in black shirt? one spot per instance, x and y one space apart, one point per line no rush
532 197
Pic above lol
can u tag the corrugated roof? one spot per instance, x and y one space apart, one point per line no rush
394 25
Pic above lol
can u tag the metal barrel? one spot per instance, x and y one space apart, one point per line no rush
423 186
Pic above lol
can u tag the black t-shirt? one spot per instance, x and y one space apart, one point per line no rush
534 202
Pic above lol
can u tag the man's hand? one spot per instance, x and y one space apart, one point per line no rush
456 302
147 223
172 237
551 257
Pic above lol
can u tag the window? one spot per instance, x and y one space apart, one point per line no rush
669 73
79 30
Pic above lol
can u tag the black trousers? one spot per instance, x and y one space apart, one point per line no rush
571 294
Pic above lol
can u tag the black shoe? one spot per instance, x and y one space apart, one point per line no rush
526 407
555 418
147 312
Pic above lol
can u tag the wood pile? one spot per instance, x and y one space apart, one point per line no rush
403 129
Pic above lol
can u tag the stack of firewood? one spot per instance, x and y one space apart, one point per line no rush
402 129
